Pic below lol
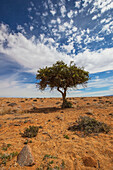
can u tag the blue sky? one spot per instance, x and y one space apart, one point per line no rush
37 33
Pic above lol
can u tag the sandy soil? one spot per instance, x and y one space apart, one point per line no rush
78 152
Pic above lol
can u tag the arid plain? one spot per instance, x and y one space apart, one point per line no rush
55 147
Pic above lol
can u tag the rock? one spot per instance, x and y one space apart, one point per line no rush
25 157
111 114
89 161
89 113
17 124
57 102
12 104
59 118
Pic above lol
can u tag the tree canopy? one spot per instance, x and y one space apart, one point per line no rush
62 77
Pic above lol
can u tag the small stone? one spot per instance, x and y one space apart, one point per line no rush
12 104
89 162
17 124
59 118
111 114
25 157
40 127
89 113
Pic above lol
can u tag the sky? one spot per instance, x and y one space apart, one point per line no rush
37 33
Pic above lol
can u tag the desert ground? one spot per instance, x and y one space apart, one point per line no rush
54 146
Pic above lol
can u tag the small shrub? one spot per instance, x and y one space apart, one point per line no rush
67 104
66 136
30 132
6 147
7 157
49 156
89 125
62 164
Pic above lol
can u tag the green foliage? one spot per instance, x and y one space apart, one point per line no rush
89 125
30 132
62 76
7 157
6 147
67 104
27 141
63 164
49 156
66 136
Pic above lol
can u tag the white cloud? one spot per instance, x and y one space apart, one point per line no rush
94 17
62 28
50 4
77 4
71 22
63 11
96 61
31 28
70 14
19 27
92 39
53 12
32 4
74 29
33 54
76 13
53 21
69 47
103 5
45 14
61 2
88 31
79 38
99 38
28 52
107 7
45 5
29 9
108 27
86 3
59 20
103 20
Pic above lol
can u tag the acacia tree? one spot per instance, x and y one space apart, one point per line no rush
62 77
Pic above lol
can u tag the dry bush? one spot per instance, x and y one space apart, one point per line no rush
89 125
30 132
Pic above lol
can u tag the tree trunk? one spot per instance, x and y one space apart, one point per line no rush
63 96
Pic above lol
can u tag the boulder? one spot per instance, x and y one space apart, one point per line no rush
25 157
89 161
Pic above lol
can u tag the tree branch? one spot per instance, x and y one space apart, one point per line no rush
60 90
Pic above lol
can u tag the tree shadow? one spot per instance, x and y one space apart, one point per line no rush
45 110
